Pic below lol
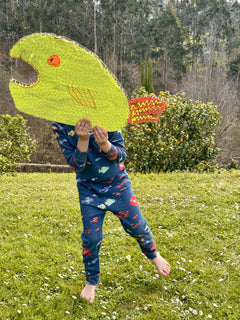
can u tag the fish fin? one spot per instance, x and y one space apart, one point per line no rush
145 109
82 96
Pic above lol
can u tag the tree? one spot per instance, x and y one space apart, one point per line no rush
71 18
234 52
146 75
168 44
207 23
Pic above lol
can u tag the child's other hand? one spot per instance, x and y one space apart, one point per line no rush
101 138
82 128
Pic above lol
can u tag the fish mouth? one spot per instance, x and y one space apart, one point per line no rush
24 73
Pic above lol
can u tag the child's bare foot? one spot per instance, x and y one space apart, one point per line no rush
88 292
162 266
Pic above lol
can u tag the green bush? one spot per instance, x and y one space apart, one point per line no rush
15 142
183 139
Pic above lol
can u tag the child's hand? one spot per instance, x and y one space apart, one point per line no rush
101 138
82 128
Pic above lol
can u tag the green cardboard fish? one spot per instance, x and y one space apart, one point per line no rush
74 83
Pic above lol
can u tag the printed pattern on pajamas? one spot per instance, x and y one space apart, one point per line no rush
126 208
103 185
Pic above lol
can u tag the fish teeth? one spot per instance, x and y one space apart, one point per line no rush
21 83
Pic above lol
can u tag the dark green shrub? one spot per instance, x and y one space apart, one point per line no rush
233 164
183 139
15 142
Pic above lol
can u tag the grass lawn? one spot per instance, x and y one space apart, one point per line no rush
195 219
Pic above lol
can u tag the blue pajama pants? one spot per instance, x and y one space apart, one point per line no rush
124 205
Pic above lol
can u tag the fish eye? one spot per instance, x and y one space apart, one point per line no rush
54 60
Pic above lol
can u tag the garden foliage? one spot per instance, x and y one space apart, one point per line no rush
16 144
183 139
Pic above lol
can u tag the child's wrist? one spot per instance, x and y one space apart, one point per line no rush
84 136
83 143
105 146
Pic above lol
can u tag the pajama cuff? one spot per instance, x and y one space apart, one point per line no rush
112 153
151 255
109 152
92 280
80 156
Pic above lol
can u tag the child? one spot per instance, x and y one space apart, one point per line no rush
97 158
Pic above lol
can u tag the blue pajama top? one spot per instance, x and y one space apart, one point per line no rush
103 173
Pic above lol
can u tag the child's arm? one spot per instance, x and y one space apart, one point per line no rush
82 129
101 139
111 145
76 157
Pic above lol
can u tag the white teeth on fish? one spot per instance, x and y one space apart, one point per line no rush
21 83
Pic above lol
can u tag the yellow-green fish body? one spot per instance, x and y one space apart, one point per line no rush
72 83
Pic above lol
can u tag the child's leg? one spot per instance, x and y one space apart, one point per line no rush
129 213
91 242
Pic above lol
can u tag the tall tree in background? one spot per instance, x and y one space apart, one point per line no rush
111 23
168 46
147 75
208 28
71 18
234 55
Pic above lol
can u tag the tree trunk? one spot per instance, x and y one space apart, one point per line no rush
95 28
211 45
